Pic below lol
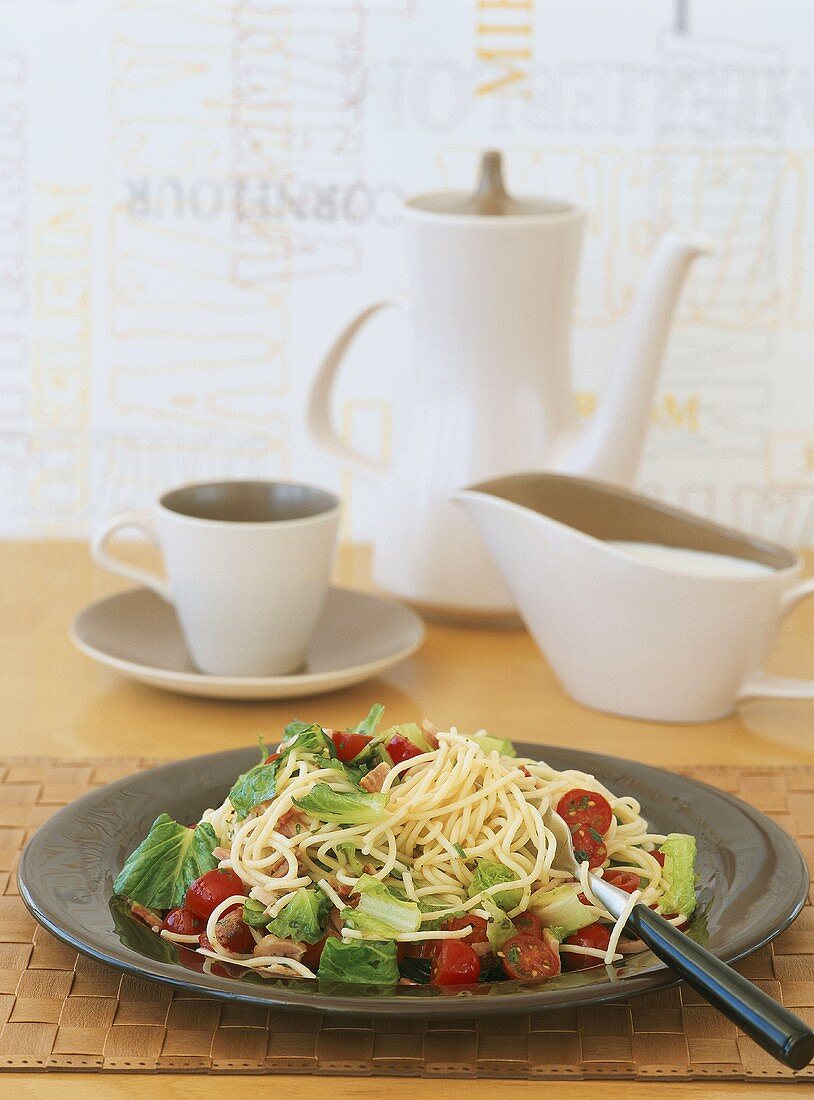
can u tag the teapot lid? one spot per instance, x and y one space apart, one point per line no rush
490 198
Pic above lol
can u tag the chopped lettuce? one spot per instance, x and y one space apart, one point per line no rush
258 784
254 913
368 725
352 772
369 925
372 754
679 873
561 908
307 737
498 928
360 962
494 744
489 873
168 860
342 807
381 905
305 917
349 854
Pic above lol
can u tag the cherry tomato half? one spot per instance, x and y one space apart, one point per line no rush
625 880
476 923
208 891
529 924
581 807
455 963
401 749
529 958
588 844
183 922
596 936
349 745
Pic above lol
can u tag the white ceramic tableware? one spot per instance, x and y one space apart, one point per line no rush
357 636
248 565
655 630
491 300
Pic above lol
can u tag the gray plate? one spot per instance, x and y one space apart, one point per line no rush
753 881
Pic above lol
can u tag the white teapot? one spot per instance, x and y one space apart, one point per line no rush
492 285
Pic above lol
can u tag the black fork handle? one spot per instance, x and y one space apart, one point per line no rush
785 1036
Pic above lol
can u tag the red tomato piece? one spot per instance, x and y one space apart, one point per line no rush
270 759
401 749
476 923
183 922
658 857
208 891
596 936
349 745
625 880
588 844
581 807
455 963
529 924
530 958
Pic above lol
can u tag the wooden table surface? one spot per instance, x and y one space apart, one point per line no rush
57 702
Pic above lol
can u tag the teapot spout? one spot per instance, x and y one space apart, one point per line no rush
611 449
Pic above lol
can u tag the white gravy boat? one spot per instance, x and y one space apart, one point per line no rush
632 636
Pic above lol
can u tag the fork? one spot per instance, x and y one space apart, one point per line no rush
785 1036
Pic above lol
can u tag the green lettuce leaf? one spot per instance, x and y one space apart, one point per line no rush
349 853
498 928
307 737
305 917
368 725
167 861
490 744
359 963
489 873
679 873
560 907
258 784
342 807
254 913
382 906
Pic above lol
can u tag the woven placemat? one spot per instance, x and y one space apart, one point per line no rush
60 1010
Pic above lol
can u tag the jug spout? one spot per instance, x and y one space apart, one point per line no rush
611 449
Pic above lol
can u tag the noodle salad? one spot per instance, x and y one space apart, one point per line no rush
404 855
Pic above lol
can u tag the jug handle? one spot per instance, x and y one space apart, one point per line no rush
764 685
319 418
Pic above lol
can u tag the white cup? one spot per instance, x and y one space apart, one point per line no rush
248 565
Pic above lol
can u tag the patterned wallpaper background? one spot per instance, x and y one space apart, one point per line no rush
196 195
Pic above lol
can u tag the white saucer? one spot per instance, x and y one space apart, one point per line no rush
138 634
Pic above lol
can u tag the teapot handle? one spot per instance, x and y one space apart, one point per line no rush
764 685
319 418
